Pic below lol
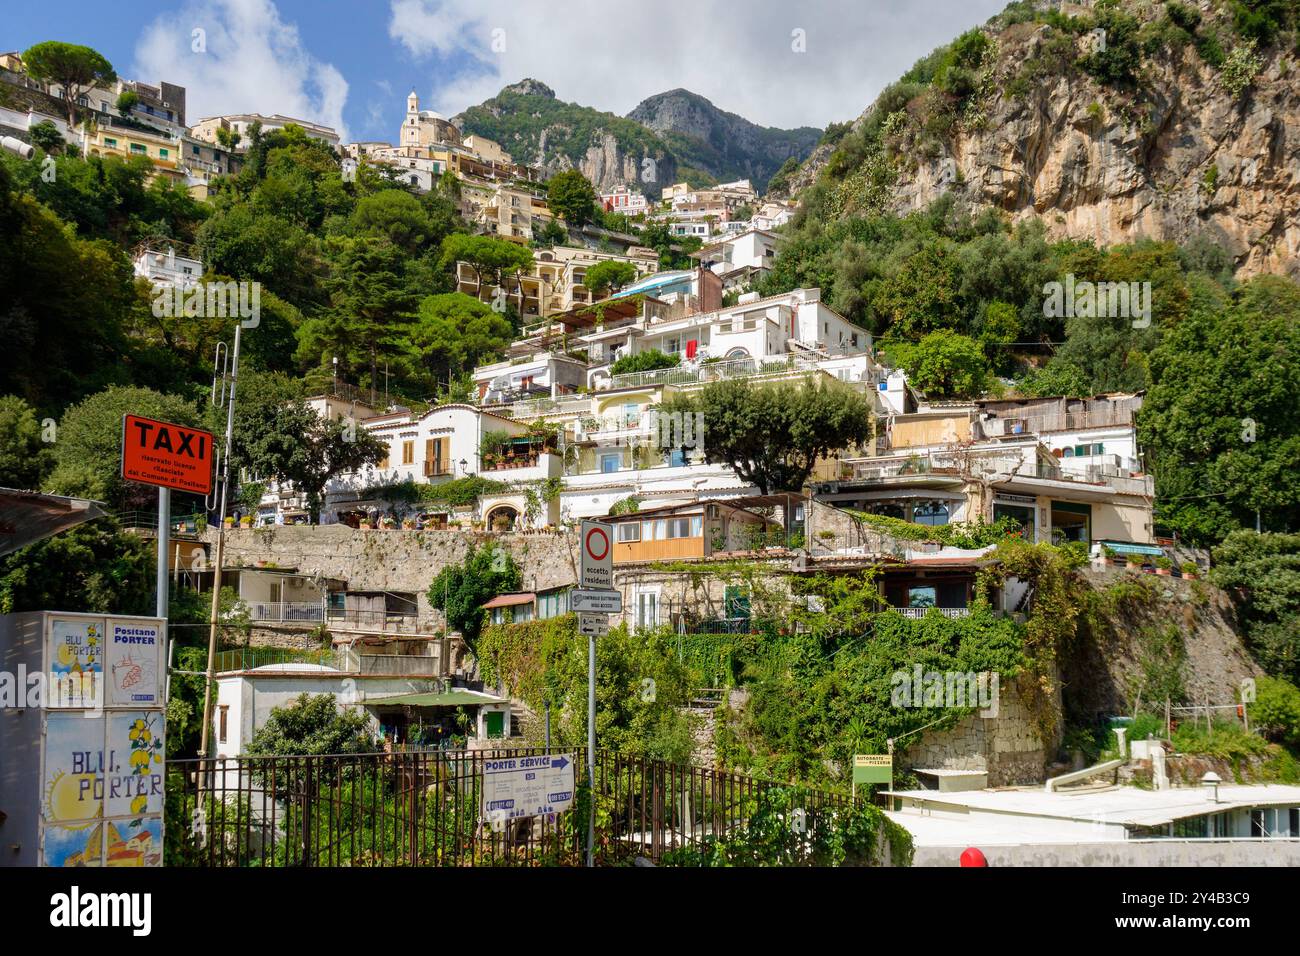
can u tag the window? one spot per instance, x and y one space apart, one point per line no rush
647 609
553 604
139 150
162 152
408 452
930 513
629 531
194 150
110 142
924 596
676 458
383 462
610 463
223 715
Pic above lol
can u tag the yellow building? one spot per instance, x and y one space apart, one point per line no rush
162 151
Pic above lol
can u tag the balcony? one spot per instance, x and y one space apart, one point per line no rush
286 612
437 467
384 622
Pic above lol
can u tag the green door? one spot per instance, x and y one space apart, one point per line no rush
496 723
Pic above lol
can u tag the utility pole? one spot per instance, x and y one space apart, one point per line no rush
219 374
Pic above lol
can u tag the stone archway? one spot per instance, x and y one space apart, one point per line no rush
502 518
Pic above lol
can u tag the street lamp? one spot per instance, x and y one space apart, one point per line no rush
336 374
464 466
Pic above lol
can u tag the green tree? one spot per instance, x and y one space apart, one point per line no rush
288 441
492 260
88 452
944 364
25 458
921 296
1262 572
1219 424
571 196
397 216
608 276
45 135
313 724
773 435
126 102
369 313
1277 710
73 68
646 361
455 332
93 567
461 590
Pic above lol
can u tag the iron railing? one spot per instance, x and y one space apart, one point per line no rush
286 612
246 658
424 808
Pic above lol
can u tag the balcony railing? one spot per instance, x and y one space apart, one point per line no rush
383 621
916 613
717 371
537 407
437 467
286 612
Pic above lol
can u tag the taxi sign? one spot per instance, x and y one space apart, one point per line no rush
167 455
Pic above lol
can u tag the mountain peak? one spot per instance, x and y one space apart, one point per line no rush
530 87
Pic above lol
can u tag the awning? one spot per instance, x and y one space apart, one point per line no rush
1128 548
510 600
449 698
28 516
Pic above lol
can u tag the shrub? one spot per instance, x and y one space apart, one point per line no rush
1277 709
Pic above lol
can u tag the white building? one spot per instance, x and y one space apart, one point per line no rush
164 268
206 129
624 200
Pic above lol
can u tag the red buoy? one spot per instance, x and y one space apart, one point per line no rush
973 857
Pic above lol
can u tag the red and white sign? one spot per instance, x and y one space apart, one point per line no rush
597 564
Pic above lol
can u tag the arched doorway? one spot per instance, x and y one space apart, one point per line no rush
502 518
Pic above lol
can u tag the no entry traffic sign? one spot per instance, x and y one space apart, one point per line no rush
597 556
167 455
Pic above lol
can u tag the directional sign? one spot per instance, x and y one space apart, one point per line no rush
168 455
597 556
516 787
593 625
596 602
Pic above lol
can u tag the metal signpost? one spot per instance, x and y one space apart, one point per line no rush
593 601
168 456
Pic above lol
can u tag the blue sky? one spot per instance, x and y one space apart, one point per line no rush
350 64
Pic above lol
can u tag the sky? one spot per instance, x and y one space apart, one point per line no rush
350 63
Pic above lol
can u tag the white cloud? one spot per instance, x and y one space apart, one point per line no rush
253 62
740 56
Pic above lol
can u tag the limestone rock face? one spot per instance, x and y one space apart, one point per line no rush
1182 156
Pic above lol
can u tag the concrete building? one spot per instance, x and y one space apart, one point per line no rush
160 263
1065 469
624 200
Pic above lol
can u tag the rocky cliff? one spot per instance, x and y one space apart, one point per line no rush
724 144
1182 124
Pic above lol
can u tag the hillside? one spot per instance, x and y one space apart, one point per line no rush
1177 128
686 136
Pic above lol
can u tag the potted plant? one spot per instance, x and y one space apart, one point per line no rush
1190 569
230 521
364 524
246 521
1164 567
1133 562
408 524
1110 555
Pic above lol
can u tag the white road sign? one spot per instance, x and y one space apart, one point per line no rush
597 566
593 625
516 787
596 602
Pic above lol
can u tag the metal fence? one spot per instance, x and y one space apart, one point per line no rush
424 808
